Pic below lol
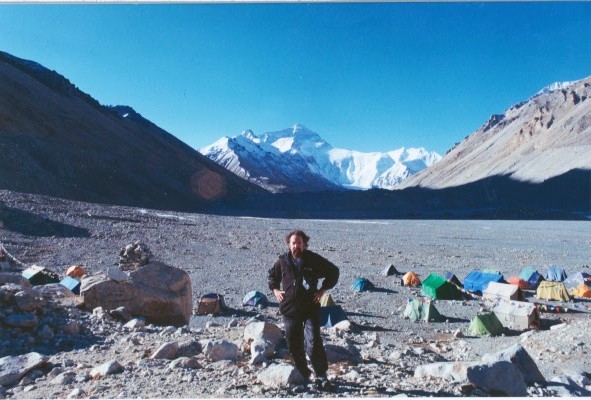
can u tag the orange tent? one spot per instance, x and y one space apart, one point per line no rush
75 271
411 279
520 283
582 291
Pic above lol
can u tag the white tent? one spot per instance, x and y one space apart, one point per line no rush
517 315
502 291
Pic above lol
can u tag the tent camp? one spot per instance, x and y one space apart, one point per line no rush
486 324
517 281
210 303
75 271
437 287
421 309
411 279
532 277
502 291
37 275
390 270
517 315
331 315
555 274
326 300
577 279
362 285
255 299
477 281
71 283
582 291
452 278
548 290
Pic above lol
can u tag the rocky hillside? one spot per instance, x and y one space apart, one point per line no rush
544 137
56 140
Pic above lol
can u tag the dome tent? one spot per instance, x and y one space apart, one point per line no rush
255 299
486 324
362 285
437 287
421 309
532 277
411 279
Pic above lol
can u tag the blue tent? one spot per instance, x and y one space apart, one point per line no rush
71 283
577 279
532 277
362 285
477 281
331 315
555 274
255 299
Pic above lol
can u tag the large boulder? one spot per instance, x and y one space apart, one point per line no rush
498 377
158 292
519 357
263 331
12 368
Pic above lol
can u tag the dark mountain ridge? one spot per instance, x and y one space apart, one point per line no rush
58 141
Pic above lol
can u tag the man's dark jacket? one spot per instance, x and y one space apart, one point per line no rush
298 301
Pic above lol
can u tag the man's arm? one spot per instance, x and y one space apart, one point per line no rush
274 280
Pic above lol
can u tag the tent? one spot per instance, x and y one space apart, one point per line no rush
421 309
582 291
255 299
517 281
37 275
577 279
548 290
477 281
390 270
411 279
210 303
362 285
71 283
75 271
486 324
452 278
502 291
517 315
555 274
326 300
437 287
491 271
532 277
331 315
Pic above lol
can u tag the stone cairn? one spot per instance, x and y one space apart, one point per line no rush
134 256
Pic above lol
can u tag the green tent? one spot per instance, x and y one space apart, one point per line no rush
421 309
437 287
486 324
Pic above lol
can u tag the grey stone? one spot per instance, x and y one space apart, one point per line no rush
26 301
185 362
189 348
12 368
263 330
108 368
25 321
166 351
136 324
216 350
519 357
280 375
500 377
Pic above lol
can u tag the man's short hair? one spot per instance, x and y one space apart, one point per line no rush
297 232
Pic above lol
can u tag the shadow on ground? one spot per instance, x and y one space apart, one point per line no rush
30 224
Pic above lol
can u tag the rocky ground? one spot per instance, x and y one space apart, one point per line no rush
231 256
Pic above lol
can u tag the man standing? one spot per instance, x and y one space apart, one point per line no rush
298 272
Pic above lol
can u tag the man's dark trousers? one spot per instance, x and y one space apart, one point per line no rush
306 329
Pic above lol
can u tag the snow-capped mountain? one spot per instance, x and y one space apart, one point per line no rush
546 136
298 159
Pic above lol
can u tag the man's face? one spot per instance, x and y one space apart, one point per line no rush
296 245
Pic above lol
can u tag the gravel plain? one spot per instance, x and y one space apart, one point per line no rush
231 256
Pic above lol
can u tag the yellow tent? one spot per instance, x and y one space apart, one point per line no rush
549 290
582 291
326 300
411 279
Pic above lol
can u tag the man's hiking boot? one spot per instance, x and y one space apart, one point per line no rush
322 383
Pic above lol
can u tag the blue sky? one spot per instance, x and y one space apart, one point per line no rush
365 76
